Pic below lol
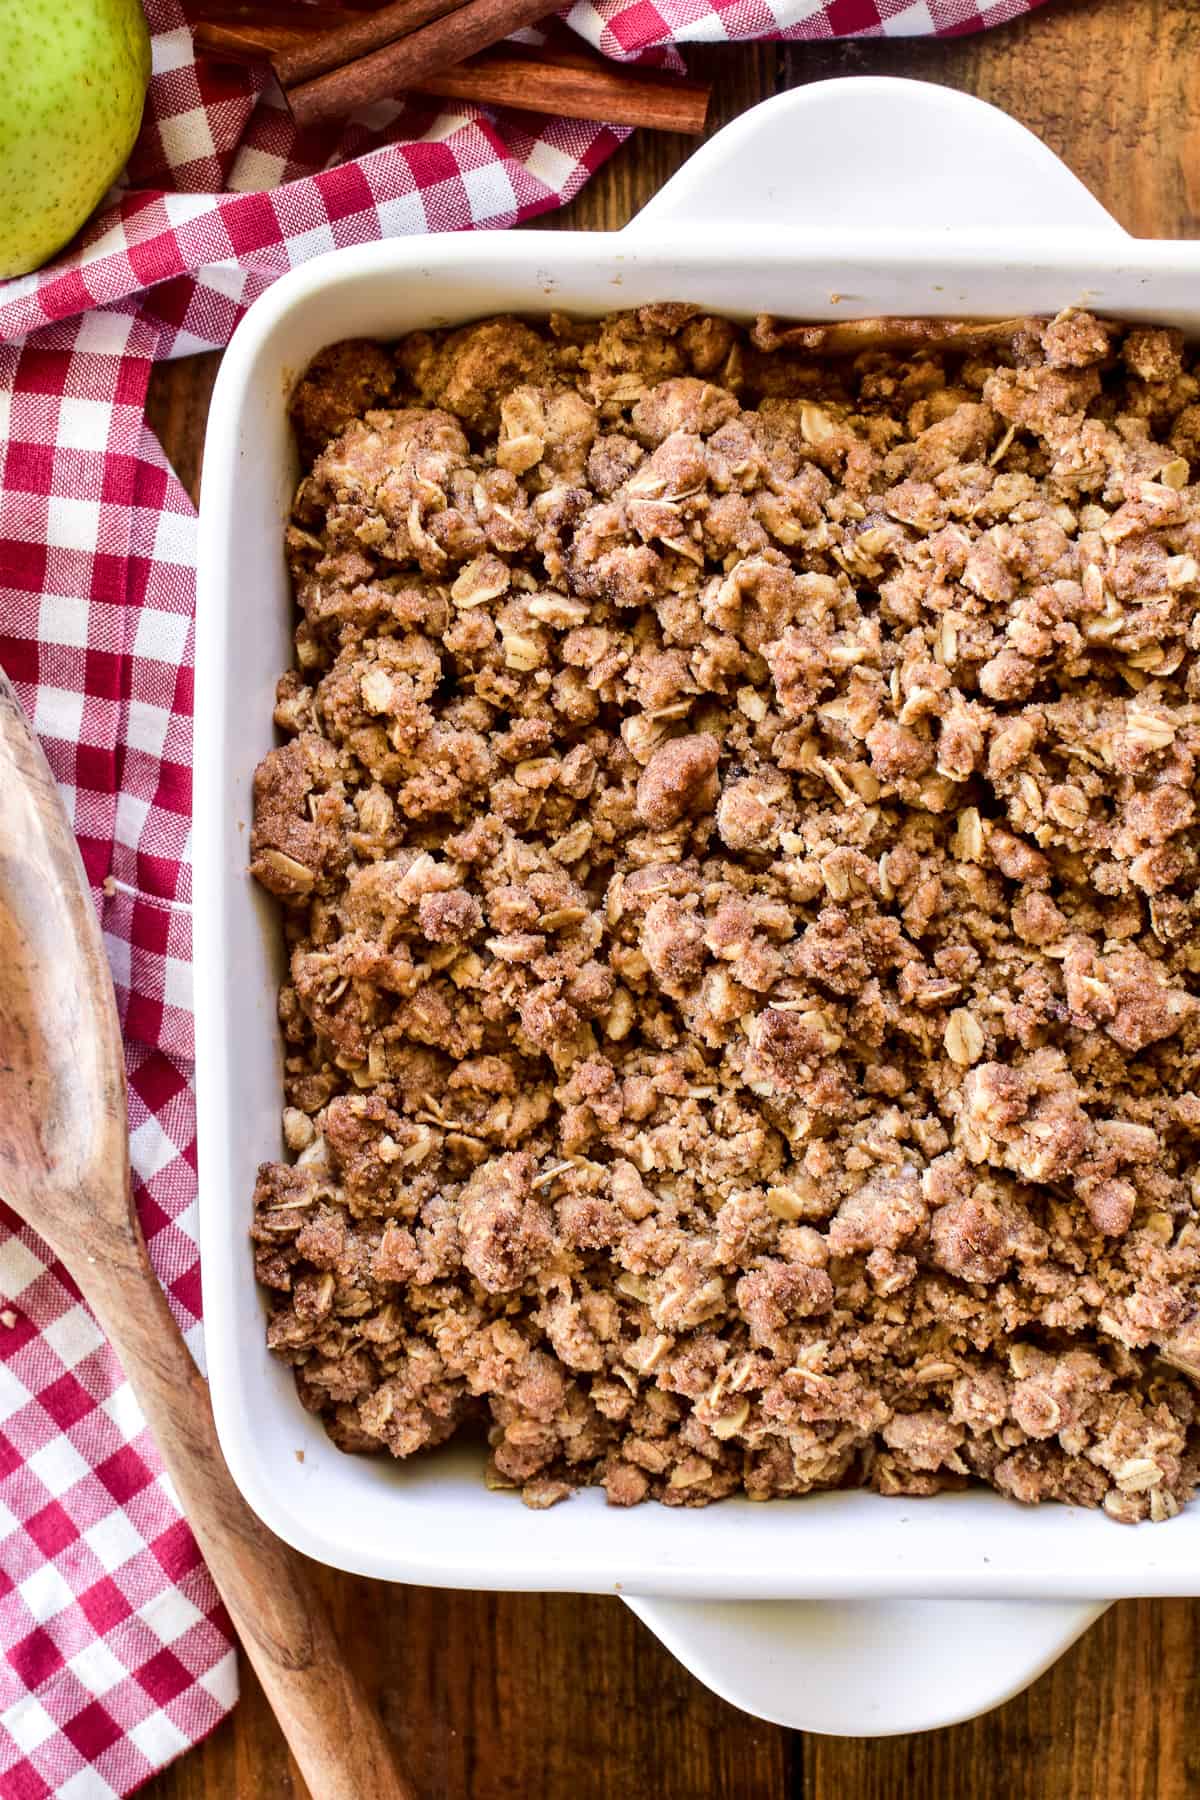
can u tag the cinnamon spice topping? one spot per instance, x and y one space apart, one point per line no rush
735 829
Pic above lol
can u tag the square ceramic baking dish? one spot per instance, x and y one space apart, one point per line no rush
845 199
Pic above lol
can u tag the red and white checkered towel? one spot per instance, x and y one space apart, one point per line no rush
116 1653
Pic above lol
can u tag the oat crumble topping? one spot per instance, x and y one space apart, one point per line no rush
737 843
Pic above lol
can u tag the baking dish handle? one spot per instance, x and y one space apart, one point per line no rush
866 1668
879 154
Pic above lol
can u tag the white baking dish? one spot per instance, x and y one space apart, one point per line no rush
845 199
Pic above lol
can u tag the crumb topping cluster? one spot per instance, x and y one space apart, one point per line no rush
737 842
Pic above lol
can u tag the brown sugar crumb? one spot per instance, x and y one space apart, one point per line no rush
736 840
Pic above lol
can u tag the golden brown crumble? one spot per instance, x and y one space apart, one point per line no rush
738 853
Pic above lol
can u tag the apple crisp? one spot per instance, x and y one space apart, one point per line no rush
737 847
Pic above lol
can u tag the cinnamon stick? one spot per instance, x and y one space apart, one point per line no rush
574 89
447 40
355 38
242 41
570 84
272 13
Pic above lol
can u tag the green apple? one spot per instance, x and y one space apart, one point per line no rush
73 77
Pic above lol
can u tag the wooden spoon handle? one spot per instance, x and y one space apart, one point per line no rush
334 1733
64 1165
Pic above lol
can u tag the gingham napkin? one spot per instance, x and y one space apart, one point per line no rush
116 1654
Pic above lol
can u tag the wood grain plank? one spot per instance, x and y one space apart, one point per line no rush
526 1697
508 1697
1108 1722
177 412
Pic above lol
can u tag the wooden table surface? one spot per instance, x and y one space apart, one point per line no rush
528 1697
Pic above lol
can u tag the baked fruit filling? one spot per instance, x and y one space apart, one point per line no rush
736 838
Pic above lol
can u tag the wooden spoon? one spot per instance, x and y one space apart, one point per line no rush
64 1166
